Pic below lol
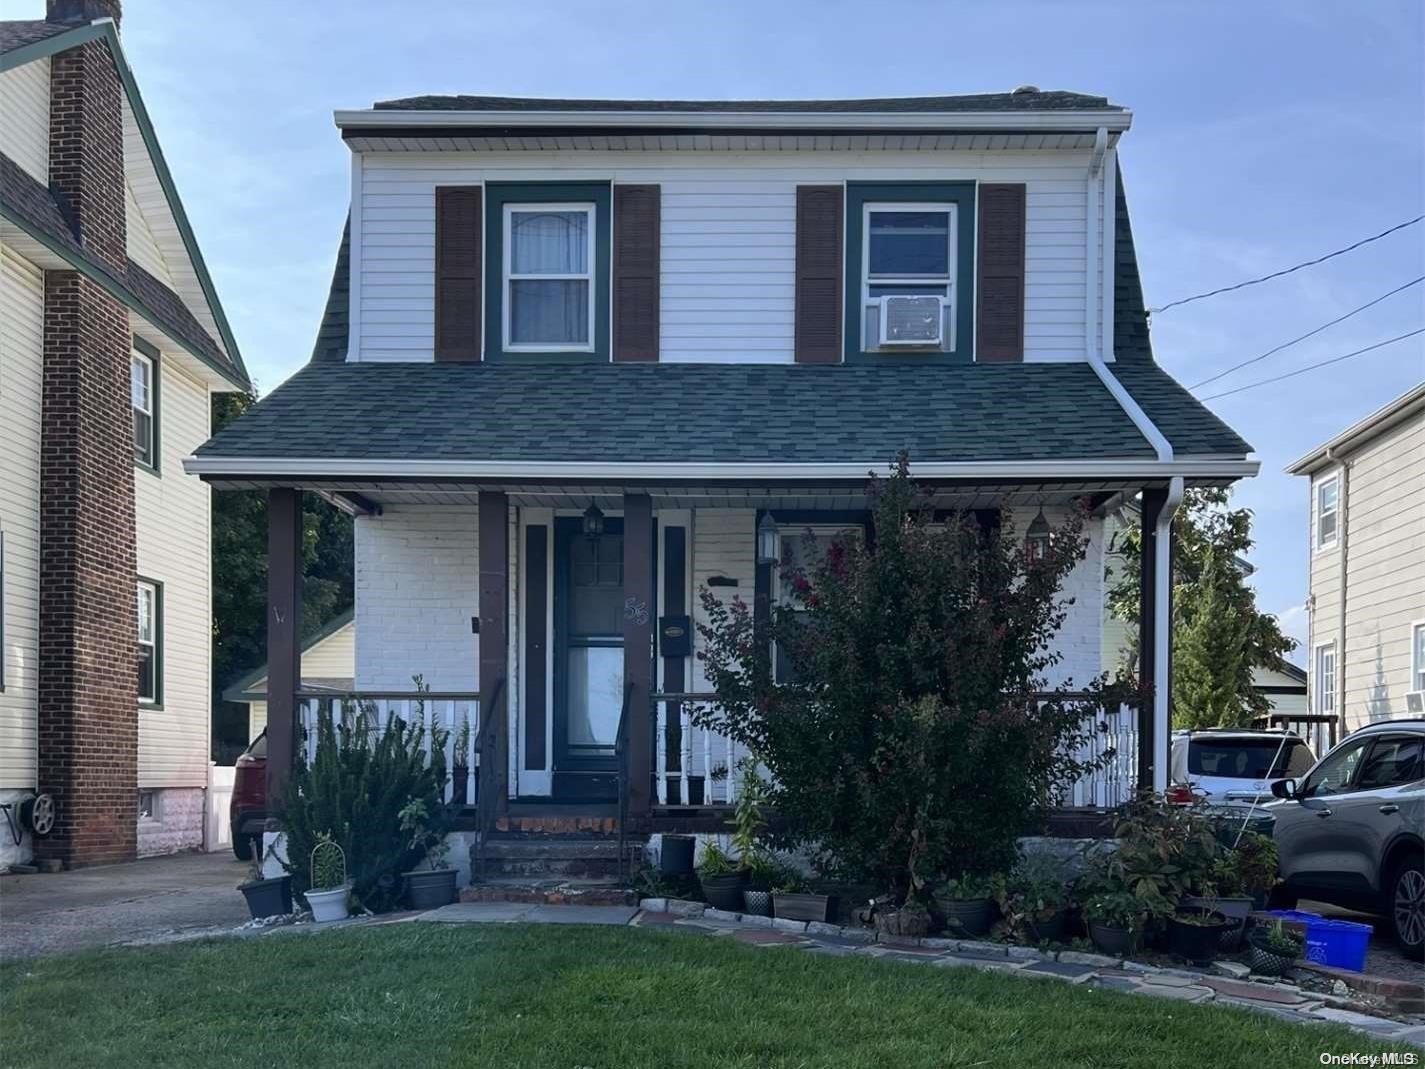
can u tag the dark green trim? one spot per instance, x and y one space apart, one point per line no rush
244 683
497 195
155 462
106 31
962 195
158 639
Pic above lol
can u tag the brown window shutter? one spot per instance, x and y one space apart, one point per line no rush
459 260
999 327
637 237
820 222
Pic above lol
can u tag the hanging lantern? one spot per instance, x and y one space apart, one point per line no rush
593 523
768 537
1036 538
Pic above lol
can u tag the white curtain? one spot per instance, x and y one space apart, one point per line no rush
549 311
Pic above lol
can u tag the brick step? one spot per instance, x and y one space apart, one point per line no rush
558 824
552 849
550 892
585 858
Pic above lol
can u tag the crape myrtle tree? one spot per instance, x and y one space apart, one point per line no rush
914 737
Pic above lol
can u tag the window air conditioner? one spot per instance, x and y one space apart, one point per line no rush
911 320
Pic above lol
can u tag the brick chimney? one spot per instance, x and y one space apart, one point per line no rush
88 681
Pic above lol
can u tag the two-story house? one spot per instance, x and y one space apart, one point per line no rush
111 342
1366 538
584 358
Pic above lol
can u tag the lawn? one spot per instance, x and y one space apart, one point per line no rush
433 995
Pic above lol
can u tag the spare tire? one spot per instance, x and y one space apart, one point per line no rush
38 814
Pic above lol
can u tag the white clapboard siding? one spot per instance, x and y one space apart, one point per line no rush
142 245
728 245
24 117
172 524
21 368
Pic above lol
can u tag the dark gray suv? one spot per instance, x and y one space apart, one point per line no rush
1352 830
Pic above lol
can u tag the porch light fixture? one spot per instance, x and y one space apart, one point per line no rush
768 537
593 523
1036 537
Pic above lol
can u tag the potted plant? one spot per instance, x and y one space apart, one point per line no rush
722 879
912 918
266 896
1034 900
1115 920
1194 932
967 903
1272 950
793 899
748 825
433 886
328 893
460 766
1255 862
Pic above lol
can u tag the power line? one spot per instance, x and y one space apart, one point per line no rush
1313 367
1287 270
1308 334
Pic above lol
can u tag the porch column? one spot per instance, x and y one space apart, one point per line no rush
494 654
638 611
284 631
1155 593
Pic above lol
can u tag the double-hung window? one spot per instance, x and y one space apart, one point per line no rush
1328 492
1325 678
150 646
1417 655
549 277
908 262
141 397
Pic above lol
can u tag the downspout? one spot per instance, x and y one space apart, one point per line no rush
1343 511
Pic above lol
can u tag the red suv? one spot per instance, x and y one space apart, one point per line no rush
247 812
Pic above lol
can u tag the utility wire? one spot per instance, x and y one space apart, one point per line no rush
1313 367
1285 271
1308 334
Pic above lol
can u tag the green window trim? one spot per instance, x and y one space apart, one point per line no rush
500 194
149 352
962 196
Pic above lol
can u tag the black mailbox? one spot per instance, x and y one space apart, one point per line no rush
675 636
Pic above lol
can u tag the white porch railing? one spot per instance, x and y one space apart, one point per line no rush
455 714
1114 736
692 765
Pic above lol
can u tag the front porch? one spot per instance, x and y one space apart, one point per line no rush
555 627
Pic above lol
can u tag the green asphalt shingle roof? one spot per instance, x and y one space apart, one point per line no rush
737 413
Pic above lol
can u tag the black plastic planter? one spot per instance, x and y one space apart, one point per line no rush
1196 942
970 916
675 858
427 889
1119 942
725 891
268 898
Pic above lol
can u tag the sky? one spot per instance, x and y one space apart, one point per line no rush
1265 133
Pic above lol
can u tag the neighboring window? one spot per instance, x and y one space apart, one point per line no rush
141 396
1336 771
148 805
908 251
1417 655
549 277
1327 511
1326 678
150 652
1393 761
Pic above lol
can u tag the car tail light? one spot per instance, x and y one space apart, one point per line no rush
1181 794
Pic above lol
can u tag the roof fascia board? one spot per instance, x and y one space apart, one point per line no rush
1377 423
122 294
368 118
266 467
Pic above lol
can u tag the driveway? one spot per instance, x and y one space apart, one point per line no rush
152 900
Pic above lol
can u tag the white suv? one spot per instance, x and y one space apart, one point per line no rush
1234 768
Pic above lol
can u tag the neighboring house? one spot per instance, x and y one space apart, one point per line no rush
1284 688
111 342
582 359
1366 535
328 664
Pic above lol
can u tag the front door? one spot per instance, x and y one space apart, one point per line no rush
588 658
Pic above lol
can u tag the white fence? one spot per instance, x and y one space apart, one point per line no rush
1114 738
454 717
218 834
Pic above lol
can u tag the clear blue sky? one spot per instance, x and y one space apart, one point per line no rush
1265 132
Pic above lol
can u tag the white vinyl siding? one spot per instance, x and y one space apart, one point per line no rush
24 117
21 366
172 526
728 251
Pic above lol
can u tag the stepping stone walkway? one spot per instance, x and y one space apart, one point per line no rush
1068 966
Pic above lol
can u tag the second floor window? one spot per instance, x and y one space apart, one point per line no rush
1417 656
549 277
908 276
1327 511
150 649
1325 678
141 394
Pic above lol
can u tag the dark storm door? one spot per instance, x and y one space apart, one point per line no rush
588 657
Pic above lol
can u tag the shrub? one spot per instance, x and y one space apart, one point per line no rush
354 790
913 740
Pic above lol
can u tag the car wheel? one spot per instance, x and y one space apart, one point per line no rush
242 847
1405 904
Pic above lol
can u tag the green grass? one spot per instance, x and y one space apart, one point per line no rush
429 995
